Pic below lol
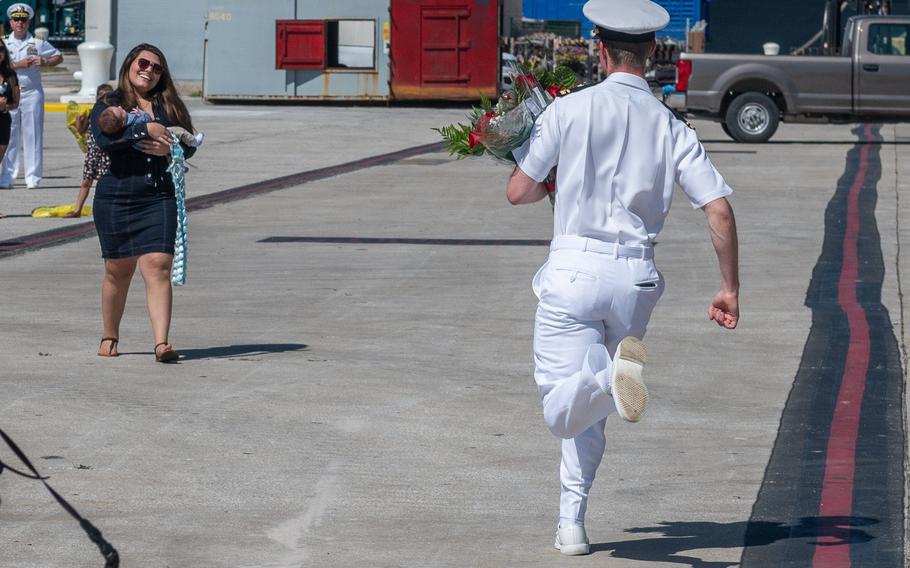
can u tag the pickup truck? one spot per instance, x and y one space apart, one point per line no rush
751 94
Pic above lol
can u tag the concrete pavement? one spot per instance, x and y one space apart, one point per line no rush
371 404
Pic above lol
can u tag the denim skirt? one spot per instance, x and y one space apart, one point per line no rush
133 219
6 125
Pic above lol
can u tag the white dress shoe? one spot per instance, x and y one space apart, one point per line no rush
629 392
572 540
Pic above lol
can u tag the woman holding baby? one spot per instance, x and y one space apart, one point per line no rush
134 207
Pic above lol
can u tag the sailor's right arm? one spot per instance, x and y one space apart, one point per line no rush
534 160
524 189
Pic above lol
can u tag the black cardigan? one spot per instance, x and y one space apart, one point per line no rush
126 160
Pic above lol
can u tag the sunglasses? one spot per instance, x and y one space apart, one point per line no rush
144 64
19 19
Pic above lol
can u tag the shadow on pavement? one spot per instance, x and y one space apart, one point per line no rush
228 351
677 537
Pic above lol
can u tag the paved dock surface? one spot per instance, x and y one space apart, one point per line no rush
356 384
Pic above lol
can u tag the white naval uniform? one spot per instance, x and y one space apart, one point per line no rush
28 119
619 151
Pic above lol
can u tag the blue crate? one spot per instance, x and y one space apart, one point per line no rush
571 10
680 11
556 10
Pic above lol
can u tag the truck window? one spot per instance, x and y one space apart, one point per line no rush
888 39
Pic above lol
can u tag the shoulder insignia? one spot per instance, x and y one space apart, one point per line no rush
678 115
578 87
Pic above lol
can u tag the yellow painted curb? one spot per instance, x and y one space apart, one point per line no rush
61 107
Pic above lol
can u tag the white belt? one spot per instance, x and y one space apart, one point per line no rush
573 242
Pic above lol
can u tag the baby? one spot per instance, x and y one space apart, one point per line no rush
114 119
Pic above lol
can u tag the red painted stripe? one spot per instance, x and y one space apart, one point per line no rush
53 236
840 461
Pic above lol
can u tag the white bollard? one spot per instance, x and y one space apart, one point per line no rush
96 64
771 48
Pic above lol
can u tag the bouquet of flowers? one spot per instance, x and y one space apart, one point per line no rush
498 129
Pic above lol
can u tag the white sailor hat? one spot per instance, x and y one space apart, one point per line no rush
20 10
630 21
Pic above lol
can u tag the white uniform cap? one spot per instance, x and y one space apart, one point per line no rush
18 10
626 20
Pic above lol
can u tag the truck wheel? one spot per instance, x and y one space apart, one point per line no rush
752 117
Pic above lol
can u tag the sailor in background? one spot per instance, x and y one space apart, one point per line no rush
27 54
620 151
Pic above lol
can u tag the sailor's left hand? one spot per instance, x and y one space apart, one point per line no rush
724 309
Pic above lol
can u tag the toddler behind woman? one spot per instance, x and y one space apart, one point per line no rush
96 161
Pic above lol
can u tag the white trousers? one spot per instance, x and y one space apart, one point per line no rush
27 124
588 302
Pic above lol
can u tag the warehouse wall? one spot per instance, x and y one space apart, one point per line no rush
742 26
177 27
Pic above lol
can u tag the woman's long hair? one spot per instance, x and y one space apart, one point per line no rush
6 66
164 95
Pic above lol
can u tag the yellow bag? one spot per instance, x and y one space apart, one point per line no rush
59 211
73 111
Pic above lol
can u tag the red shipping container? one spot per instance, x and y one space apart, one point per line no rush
444 49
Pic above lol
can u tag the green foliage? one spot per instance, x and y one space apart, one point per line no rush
456 139
565 76
485 103
456 136
562 77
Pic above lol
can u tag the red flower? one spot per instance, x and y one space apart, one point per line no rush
481 129
553 90
550 181
526 79
484 121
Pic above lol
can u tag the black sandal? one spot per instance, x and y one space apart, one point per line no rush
110 352
168 355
